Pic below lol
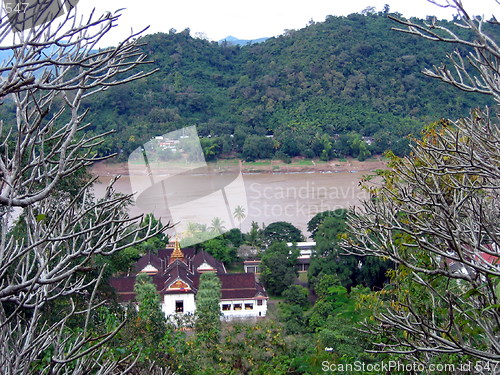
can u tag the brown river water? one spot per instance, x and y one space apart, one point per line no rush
265 197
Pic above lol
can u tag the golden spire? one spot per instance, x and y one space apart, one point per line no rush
177 253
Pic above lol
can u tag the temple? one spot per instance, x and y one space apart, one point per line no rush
176 272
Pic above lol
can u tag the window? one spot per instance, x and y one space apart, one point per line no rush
237 306
250 269
226 307
248 306
179 306
259 302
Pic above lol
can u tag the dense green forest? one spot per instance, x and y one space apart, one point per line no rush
318 90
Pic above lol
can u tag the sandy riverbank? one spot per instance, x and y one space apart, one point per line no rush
265 166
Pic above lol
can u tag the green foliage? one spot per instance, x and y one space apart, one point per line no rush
296 295
194 234
245 348
122 261
318 91
211 147
324 284
208 324
257 147
429 304
349 342
281 231
339 214
293 318
234 237
255 348
217 226
278 269
336 316
334 319
253 237
154 243
328 258
219 248
291 312
150 322
373 272
239 214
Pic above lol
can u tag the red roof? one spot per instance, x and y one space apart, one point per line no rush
491 259
238 286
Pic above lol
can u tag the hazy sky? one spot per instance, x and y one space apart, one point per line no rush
258 18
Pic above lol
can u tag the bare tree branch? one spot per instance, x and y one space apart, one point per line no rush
476 69
46 253
436 215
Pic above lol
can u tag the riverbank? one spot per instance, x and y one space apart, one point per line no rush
298 165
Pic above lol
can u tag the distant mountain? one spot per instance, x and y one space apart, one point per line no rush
241 42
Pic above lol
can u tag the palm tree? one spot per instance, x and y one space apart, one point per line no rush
217 225
239 214
191 229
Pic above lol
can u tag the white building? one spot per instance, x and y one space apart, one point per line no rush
176 273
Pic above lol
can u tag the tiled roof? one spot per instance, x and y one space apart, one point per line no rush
148 259
494 260
204 257
192 259
234 286
177 271
237 281
124 288
238 285
238 294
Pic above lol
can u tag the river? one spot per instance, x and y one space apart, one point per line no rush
265 197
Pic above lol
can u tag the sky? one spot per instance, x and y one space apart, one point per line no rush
217 19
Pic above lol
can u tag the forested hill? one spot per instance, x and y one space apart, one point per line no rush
317 90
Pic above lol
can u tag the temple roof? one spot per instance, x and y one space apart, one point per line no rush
238 286
179 271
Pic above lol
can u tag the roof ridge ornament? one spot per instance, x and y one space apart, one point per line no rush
177 253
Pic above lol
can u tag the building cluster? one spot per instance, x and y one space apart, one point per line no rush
176 274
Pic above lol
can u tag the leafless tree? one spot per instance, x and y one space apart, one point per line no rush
477 69
436 214
54 66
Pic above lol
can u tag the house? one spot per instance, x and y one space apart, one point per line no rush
303 260
176 274
488 259
252 266
306 251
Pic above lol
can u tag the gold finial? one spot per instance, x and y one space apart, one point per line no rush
177 253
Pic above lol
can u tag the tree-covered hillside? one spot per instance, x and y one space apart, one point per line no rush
317 90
